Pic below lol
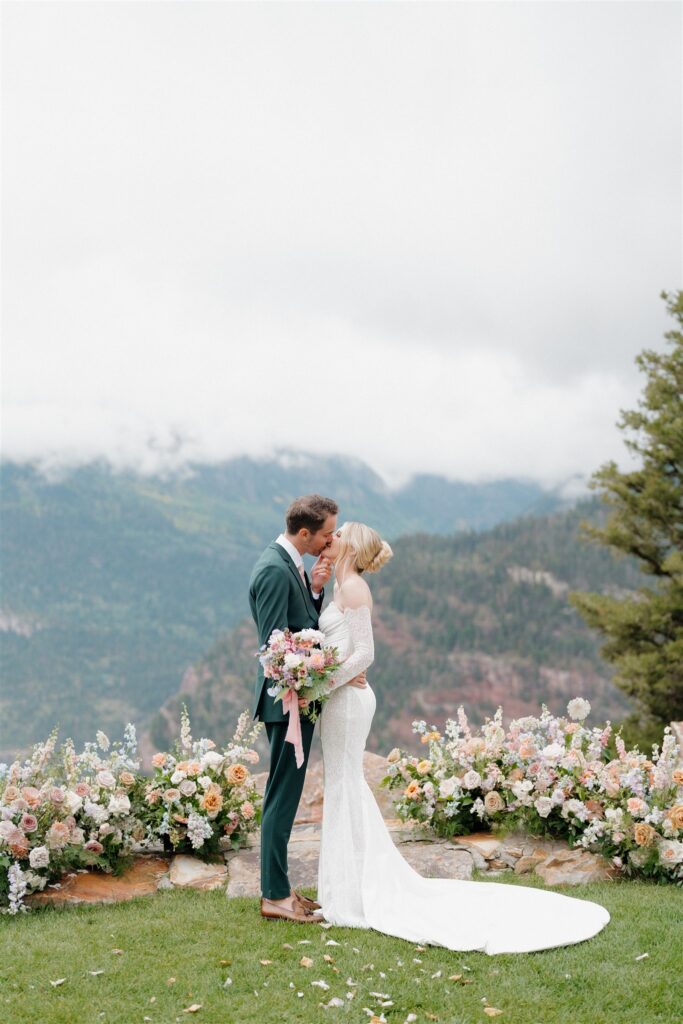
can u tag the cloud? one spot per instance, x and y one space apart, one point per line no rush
431 236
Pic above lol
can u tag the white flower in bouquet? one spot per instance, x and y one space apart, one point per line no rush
552 752
187 787
77 837
293 660
73 801
106 829
557 796
39 857
177 776
670 852
198 829
95 811
471 779
578 709
312 636
212 760
119 803
448 787
105 779
544 806
205 781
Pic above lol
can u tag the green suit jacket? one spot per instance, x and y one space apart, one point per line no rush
279 599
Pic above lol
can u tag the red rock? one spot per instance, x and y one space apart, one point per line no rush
98 887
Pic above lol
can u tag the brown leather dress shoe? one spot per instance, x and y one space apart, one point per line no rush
308 904
278 912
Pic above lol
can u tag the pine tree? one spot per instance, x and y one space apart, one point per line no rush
644 629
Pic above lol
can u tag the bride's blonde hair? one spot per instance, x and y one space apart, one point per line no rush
361 548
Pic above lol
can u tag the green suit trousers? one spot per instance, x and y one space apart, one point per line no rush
280 801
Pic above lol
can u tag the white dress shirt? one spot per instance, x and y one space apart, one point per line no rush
296 558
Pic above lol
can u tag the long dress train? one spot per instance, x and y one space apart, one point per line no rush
363 880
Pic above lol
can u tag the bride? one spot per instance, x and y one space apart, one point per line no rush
363 881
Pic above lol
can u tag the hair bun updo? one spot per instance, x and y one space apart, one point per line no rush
380 559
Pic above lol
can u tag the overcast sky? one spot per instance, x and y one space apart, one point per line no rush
432 236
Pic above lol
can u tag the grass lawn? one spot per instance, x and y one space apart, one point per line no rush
160 954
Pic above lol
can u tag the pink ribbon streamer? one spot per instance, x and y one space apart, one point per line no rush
290 702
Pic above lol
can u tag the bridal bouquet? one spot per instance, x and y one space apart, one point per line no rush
300 667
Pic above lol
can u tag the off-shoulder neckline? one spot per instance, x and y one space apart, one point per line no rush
359 609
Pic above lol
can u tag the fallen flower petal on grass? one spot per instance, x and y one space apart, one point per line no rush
491 1011
321 984
117 952
642 956
287 945
94 973
306 961
225 963
227 983
59 981
335 1001
193 1009
170 981
265 962
328 959
331 942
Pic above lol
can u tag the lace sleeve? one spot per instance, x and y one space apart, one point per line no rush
359 622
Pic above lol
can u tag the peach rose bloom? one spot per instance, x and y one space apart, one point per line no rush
153 797
677 777
57 795
572 727
252 756
493 802
643 834
595 807
247 809
516 775
10 794
182 766
126 778
194 768
58 835
424 767
158 760
636 806
171 794
236 774
412 790
211 802
31 795
675 816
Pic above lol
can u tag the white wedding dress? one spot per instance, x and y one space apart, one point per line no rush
364 882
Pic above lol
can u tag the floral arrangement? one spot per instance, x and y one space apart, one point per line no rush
62 811
202 800
549 776
298 664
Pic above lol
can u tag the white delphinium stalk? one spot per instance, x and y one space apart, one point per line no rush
17 889
185 733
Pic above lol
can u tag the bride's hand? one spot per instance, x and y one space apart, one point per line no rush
360 681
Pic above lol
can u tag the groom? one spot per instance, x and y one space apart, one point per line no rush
281 596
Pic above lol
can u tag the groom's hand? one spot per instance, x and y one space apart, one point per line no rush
320 573
360 681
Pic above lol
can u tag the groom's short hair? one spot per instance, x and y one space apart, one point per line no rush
309 513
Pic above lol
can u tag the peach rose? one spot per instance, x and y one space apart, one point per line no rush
57 796
126 778
171 795
211 802
394 756
57 835
31 795
10 794
675 816
516 775
158 760
194 768
412 790
493 802
677 777
595 808
424 767
153 797
527 749
236 774
247 809
182 766
82 789
643 834
636 807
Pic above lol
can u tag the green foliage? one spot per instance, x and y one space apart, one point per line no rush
644 627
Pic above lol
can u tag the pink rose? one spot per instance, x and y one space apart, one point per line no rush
82 789
247 809
93 846
31 795
57 795
29 822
